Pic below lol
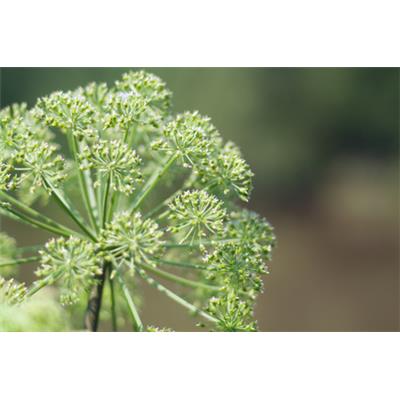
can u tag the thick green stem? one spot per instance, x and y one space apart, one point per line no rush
94 305
113 303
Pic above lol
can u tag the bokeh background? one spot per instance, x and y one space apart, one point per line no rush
324 145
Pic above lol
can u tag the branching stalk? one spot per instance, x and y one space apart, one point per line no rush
152 182
180 280
70 210
197 244
25 219
94 304
19 261
113 302
169 293
131 304
35 215
85 182
180 264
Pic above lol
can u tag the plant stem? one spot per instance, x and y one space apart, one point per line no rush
116 196
180 280
165 203
186 186
28 249
94 304
18 216
19 261
152 182
35 214
85 183
105 200
197 244
131 304
175 297
180 264
70 210
113 305
38 285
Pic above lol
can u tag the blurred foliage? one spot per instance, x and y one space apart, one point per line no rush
41 313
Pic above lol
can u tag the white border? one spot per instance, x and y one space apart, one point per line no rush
207 33
199 33
199 366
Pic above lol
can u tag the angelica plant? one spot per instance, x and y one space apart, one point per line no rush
151 198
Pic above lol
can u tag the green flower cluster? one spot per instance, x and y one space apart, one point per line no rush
11 292
72 264
132 239
196 214
69 112
115 161
127 226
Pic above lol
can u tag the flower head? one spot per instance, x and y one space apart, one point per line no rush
68 111
232 313
148 86
227 172
72 264
237 267
133 239
18 127
190 136
195 214
116 160
95 94
124 109
11 292
240 263
39 164
252 232
7 181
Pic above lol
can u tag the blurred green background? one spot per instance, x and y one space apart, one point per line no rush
323 144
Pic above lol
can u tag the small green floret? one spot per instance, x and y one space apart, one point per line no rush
187 137
232 313
11 292
132 239
196 214
72 264
69 112
39 164
115 161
